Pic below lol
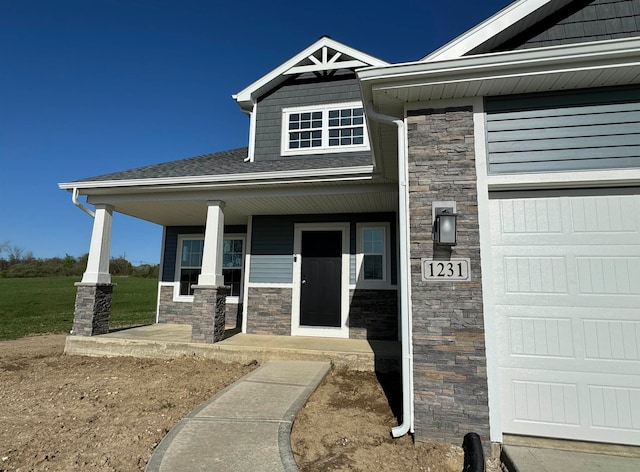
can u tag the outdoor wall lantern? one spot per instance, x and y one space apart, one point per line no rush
444 227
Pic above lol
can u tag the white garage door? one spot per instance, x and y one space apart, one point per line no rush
566 302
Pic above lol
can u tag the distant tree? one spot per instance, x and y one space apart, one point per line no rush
120 266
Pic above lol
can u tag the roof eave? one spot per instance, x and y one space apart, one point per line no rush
512 63
492 26
227 180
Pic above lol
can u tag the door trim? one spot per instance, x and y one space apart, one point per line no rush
321 331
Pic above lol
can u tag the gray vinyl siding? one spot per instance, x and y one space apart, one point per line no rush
172 233
271 250
298 92
580 130
597 21
272 243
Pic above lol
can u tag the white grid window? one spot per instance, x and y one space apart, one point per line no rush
324 129
373 264
373 254
189 263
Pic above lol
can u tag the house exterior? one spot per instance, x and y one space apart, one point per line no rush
526 128
295 233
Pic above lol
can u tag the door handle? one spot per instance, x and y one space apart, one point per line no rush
303 282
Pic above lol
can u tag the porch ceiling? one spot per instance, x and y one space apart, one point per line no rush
190 208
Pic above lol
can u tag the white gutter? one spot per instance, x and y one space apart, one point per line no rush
548 59
404 275
76 202
235 179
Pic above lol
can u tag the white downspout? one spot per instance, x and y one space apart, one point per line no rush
252 132
404 275
76 202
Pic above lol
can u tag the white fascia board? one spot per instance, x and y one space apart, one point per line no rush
495 65
245 96
492 26
336 173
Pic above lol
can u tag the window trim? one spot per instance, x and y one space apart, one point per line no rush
178 262
243 237
386 256
325 148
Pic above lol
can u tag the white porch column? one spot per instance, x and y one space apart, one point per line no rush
211 274
100 250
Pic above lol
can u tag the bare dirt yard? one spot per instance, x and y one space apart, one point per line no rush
65 413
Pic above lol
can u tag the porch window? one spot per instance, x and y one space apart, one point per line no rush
190 263
373 253
232 264
324 129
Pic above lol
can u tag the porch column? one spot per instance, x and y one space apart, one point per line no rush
93 296
208 310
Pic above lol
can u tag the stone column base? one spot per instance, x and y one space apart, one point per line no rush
92 310
208 314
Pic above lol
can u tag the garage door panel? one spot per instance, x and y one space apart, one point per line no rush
566 303
568 339
545 221
561 404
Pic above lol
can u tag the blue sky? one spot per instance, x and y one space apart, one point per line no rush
89 87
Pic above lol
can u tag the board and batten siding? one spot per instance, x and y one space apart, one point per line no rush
293 93
578 130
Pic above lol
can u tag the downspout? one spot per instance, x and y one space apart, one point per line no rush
76 202
252 131
404 275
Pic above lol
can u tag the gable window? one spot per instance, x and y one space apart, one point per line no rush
324 129
190 263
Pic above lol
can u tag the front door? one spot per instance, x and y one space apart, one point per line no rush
321 279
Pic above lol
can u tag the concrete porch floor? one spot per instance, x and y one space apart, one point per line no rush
170 340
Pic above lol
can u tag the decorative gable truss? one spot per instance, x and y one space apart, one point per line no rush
323 58
326 60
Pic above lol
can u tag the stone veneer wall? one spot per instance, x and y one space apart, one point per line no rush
269 311
92 309
373 314
450 380
233 317
208 313
170 311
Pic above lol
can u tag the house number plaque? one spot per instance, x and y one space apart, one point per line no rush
453 269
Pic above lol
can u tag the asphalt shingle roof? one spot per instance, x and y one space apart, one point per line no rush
232 162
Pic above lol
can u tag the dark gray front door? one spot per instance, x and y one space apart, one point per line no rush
321 281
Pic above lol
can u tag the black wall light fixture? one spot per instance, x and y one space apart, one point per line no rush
444 227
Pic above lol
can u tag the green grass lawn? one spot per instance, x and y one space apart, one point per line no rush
45 304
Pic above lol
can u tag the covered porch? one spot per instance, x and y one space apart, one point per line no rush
173 340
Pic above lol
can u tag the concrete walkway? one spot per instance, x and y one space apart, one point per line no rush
245 426
536 459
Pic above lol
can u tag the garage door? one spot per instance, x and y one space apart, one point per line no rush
566 303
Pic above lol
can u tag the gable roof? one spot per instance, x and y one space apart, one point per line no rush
324 55
495 30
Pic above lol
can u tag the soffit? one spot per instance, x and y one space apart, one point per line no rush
190 208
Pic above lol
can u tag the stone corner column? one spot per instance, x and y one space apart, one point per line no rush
92 309
208 313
